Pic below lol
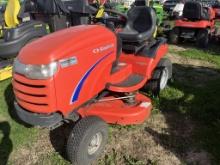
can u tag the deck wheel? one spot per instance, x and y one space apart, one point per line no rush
160 77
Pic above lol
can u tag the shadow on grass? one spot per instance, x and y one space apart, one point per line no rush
58 138
191 106
9 99
6 145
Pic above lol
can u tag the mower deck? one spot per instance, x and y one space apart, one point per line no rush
115 111
110 109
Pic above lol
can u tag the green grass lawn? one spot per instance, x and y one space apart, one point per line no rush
191 96
12 134
200 104
200 100
212 54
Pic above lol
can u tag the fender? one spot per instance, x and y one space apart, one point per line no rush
190 24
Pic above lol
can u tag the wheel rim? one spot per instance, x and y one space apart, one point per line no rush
95 143
164 78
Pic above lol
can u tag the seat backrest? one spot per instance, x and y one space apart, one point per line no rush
142 19
192 11
50 6
77 6
140 3
11 13
63 6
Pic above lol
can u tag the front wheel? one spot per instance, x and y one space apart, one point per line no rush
174 35
160 77
203 38
87 140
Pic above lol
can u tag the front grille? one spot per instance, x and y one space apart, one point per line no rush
34 95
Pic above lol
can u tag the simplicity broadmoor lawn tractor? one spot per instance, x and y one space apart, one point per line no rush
91 76
197 23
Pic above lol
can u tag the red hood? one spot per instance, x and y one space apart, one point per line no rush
57 45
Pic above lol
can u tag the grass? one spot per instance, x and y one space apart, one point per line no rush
187 100
12 134
211 55
201 104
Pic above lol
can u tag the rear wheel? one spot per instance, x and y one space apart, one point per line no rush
87 140
174 36
202 38
160 77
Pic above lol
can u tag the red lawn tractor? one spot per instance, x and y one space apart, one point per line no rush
197 23
217 12
91 76
216 8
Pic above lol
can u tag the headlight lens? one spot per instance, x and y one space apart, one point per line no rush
35 71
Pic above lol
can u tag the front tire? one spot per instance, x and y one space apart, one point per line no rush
203 38
174 36
87 140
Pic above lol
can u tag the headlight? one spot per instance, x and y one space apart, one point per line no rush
35 71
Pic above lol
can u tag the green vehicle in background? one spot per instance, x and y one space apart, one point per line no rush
2 5
2 2
120 7
158 7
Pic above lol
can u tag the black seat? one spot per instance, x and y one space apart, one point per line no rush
195 11
59 14
141 25
140 3
59 6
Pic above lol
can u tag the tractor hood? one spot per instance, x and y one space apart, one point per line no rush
64 43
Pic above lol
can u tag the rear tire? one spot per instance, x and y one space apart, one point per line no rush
202 38
160 77
87 140
174 36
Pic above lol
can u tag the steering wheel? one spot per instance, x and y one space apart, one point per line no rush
113 19
107 16
115 16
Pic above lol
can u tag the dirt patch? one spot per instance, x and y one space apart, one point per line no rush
162 140
177 59
32 153
198 72
2 119
176 48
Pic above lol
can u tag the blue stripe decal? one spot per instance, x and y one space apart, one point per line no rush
79 86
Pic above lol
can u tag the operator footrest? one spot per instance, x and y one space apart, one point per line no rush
130 81
130 84
120 73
